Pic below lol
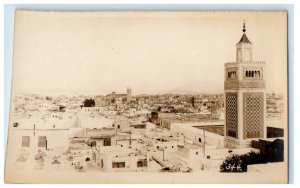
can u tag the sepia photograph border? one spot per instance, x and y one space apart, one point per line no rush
8 46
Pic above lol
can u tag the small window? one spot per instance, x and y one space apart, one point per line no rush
42 142
106 142
197 153
157 147
118 164
142 163
93 144
199 140
208 157
25 141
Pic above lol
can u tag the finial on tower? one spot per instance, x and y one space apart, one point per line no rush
244 27
244 38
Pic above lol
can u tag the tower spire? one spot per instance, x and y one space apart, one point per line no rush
244 38
244 27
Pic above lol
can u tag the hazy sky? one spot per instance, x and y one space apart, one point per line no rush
152 52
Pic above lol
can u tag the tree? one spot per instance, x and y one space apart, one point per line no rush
234 163
239 163
48 98
89 103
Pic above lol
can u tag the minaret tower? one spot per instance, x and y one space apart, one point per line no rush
129 96
245 98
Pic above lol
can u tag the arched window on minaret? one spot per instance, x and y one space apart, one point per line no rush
258 72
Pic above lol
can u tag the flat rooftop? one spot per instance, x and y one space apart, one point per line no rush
217 129
272 132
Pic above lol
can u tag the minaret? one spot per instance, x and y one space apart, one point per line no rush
244 48
245 98
129 94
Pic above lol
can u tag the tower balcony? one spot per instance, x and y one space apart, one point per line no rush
244 84
230 64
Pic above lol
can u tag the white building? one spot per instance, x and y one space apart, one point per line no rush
193 135
120 158
33 134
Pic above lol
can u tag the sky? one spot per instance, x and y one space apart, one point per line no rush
151 52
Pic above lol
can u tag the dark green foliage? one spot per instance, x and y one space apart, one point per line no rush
234 163
275 151
48 98
238 163
89 103
269 152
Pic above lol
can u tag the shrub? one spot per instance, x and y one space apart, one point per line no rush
238 163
